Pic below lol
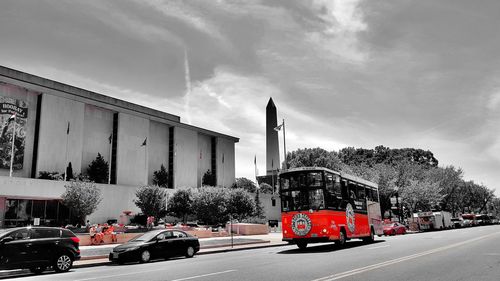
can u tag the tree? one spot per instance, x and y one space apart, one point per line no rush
313 157
245 184
421 195
69 172
210 204
240 205
208 179
98 170
266 188
151 201
259 210
160 177
181 204
82 198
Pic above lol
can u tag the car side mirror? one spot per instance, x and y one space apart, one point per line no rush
6 239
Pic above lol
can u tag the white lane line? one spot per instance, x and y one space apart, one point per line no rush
398 260
378 247
204 275
149 271
123 274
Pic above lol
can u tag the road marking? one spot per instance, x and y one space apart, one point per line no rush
204 275
378 247
398 260
149 271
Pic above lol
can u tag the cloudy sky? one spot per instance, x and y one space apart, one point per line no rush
422 74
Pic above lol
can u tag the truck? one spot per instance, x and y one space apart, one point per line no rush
434 220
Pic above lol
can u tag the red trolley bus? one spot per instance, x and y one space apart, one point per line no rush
321 205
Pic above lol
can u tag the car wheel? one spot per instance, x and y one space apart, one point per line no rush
393 232
63 263
342 240
145 256
302 245
38 269
189 252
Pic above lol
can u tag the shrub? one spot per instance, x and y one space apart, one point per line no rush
139 219
98 170
208 179
44 175
241 204
180 204
151 201
160 177
210 204
82 198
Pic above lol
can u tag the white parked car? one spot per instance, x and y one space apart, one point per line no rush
458 222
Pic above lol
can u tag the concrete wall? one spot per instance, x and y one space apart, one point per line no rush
157 147
98 127
271 213
116 198
131 167
186 158
30 97
56 112
225 171
204 157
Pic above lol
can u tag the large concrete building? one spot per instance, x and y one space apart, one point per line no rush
57 124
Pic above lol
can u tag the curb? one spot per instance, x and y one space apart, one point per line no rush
199 253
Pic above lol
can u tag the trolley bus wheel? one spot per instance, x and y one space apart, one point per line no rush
370 238
302 244
342 239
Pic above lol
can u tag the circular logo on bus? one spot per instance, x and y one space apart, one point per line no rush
349 216
301 224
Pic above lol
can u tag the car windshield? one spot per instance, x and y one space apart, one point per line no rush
3 231
146 236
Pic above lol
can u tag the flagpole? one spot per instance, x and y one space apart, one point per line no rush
12 149
284 144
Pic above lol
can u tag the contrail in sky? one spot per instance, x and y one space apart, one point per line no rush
187 77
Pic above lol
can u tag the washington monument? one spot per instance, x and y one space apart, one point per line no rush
272 144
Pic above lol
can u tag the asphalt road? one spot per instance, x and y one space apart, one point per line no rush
461 254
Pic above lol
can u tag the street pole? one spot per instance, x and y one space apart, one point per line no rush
231 229
12 149
284 145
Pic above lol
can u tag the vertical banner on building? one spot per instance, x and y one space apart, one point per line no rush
8 107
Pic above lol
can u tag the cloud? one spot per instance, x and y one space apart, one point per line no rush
182 11
343 20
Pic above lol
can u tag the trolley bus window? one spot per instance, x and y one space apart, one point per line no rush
285 184
316 199
361 202
333 192
314 179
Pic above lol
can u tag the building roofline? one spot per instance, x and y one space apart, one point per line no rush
45 83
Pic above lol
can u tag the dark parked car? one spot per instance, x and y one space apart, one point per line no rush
37 248
156 244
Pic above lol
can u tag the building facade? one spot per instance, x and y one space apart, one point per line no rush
57 124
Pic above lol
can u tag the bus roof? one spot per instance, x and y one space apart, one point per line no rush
342 174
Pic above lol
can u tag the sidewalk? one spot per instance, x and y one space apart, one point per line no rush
96 255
